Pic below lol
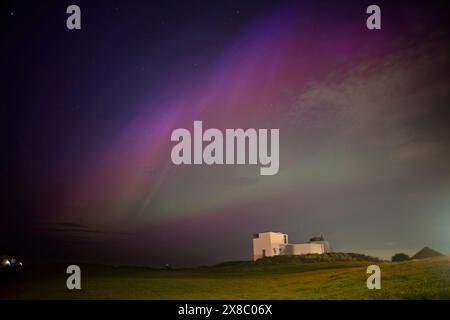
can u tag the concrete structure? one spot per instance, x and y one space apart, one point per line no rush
321 240
304 248
269 244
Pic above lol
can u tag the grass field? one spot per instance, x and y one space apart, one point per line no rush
282 279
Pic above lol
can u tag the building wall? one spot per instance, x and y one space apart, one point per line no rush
269 244
305 248
325 244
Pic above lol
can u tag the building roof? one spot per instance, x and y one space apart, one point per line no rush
270 232
256 235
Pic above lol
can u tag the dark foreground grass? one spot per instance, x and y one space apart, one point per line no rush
279 279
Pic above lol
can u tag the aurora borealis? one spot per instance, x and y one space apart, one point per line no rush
363 118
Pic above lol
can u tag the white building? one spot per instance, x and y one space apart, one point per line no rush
322 241
304 248
269 244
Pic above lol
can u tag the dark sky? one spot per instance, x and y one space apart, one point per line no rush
87 115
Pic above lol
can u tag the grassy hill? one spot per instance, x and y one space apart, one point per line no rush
327 277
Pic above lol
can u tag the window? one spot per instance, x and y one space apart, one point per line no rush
264 253
275 250
285 238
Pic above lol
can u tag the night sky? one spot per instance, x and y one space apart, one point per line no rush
86 118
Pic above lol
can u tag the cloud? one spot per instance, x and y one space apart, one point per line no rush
379 99
415 151
75 228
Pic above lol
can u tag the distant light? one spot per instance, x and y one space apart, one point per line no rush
6 263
